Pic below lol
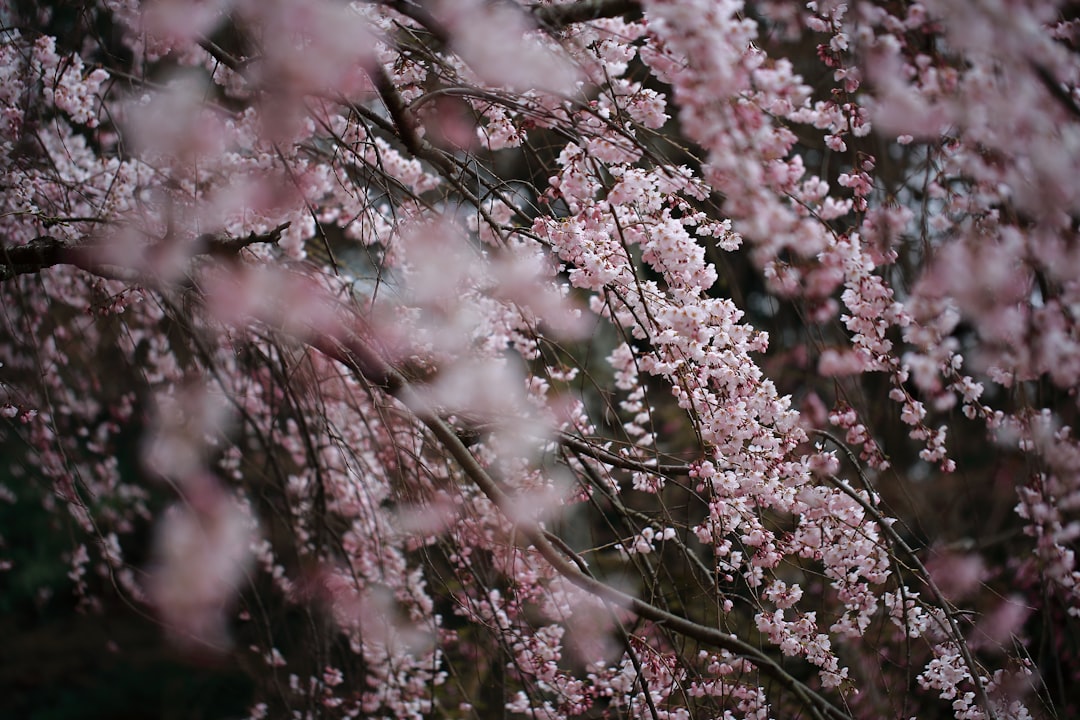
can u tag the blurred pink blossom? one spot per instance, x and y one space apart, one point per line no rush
202 554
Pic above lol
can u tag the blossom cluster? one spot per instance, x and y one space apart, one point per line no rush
557 359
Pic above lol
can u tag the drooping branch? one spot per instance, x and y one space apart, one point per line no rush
46 251
815 703
355 353
924 574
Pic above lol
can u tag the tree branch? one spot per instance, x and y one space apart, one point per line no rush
395 106
42 252
585 447
45 251
554 17
422 17
223 57
1046 77
549 17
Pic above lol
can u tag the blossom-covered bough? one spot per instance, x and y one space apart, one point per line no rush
660 359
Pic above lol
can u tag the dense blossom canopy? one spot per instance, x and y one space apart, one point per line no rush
528 358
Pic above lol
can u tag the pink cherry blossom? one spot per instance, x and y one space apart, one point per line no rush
570 358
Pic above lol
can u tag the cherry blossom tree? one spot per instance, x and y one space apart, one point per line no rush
600 358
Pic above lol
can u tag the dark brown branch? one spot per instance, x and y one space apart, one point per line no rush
42 252
227 247
223 57
609 458
421 17
46 251
1054 87
549 17
554 17
395 106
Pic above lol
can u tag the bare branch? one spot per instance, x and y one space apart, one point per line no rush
45 251
559 16
609 458
422 17
395 106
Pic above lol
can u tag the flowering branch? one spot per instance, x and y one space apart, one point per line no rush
356 354
887 528
599 270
